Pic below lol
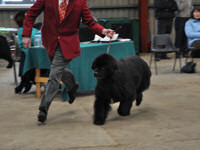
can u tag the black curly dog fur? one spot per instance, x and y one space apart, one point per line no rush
122 81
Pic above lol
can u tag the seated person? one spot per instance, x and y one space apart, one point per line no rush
192 31
5 52
28 78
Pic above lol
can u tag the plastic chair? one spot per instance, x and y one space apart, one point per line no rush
162 43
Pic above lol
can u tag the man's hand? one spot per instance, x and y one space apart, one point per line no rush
26 42
108 32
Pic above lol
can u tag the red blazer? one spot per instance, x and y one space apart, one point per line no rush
66 32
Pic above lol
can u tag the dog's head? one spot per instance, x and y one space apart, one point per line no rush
104 66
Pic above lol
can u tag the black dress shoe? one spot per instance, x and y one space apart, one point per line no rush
27 87
18 89
166 57
10 65
42 116
157 59
178 56
72 93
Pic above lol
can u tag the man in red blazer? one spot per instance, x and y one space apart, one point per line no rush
60 38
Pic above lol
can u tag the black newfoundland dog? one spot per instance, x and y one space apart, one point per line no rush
121 81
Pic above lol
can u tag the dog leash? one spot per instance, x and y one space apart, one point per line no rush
108 48
109 45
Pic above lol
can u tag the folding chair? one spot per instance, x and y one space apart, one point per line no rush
162 43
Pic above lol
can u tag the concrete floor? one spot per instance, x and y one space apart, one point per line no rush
168 118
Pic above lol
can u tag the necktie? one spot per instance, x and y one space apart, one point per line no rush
62 10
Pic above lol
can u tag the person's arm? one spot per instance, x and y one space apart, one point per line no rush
181 5
93 25
20 38
108 32
190 33
174 6
30 18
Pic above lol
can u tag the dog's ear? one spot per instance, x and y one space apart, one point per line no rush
93 66
111 65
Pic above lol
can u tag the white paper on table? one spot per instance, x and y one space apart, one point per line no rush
96 38
107 39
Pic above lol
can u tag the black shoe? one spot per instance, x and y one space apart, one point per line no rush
42 116
10 65
19 88
27 87
185 55
178 56
72 93
157 58
166 57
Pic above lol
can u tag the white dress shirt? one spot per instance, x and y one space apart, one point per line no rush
60 1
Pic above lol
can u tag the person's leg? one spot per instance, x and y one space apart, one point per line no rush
184 46
21 64
168 28
20 87
58 66
178 37
163 28
181 39
196 44
29 80
169 23
69 80
25 82
160 30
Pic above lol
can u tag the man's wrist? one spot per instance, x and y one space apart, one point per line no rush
104 31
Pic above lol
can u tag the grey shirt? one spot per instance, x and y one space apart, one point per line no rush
184 8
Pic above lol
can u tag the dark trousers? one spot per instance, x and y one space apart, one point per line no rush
196 53
181 39
21 65
164 27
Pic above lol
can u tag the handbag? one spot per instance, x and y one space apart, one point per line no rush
189 67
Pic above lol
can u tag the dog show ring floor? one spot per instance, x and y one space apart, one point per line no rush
167 119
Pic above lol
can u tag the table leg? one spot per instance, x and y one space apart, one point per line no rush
38 86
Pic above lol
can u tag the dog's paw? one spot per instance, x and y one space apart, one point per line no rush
139 99
124 113
138 102
97 122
